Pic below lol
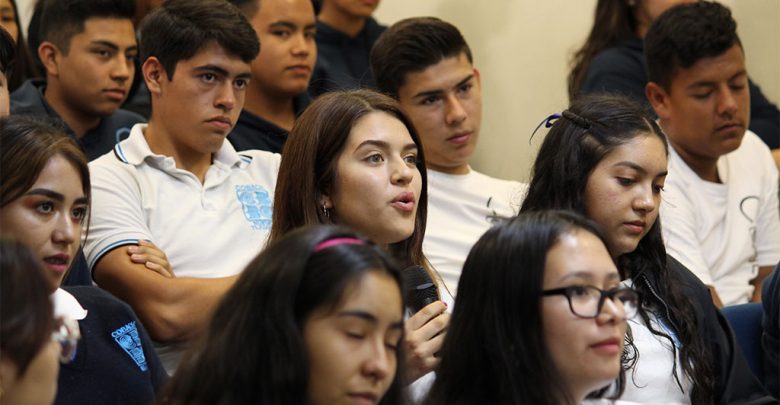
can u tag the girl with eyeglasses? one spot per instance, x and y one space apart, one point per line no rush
44 204
606 159
540 316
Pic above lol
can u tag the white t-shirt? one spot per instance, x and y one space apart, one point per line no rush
207 230
724 231
651 380
460 209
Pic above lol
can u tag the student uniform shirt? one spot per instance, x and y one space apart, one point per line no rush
207 230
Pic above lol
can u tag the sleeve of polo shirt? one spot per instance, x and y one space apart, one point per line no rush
117 215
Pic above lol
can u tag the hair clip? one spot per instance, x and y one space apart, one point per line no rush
337 241
577 120
548 122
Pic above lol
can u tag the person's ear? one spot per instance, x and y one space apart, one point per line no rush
154 74
658 98
50 58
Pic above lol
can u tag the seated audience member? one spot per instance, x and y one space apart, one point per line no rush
29 355
177 183
44 203
720 205
606 159
555 329
317 318
88 50
426 64
612 60
346 31
771 336
7 53
280 74
354 159
24 65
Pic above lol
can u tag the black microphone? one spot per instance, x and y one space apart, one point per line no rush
419 289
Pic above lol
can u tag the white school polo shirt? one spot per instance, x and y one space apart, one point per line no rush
207 230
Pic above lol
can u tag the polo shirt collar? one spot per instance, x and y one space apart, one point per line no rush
134 150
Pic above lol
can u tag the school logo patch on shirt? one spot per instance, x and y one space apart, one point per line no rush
256 204
128 339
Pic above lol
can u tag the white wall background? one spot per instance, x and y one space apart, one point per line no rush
522 48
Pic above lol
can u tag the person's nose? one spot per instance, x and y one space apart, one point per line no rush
455 113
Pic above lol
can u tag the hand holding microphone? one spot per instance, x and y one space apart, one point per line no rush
425 330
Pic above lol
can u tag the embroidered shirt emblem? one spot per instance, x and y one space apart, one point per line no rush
128 339
256 204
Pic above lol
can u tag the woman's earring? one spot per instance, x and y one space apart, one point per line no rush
325 211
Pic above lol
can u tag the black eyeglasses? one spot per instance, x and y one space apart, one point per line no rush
586 301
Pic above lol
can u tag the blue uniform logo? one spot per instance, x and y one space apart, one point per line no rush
256 204
128 339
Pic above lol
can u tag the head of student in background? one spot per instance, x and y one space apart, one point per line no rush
353 158
555 327
615 21
29 357
88 50
44 192
196 65
286 29
7 53
425 63
316 318
698 82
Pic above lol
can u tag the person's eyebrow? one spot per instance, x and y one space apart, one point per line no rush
464 81
638 168
368 317
212 68
584 275
283 24
438 92
47 193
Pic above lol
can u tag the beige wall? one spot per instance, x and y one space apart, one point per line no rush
522 48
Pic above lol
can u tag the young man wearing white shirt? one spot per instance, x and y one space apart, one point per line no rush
177 183
720 207
427 65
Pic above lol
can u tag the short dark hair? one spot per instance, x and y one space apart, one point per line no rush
62 19
180 28
25 307
248 7
254 350
685 34
411 46
498 316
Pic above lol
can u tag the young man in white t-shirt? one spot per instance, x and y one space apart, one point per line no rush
426 64
177 183
720 205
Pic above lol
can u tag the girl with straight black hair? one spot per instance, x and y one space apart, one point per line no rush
540 316
316 319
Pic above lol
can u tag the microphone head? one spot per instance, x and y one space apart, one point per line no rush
419 289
